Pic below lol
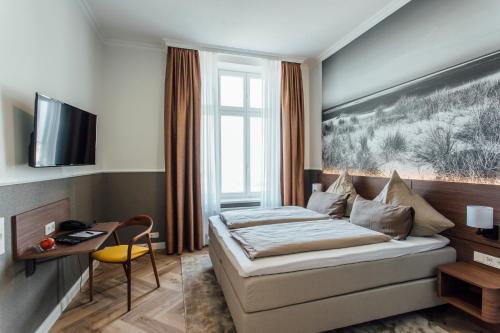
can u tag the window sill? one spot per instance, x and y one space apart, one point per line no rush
239 203
236 200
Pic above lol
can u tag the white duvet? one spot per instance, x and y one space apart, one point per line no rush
318 259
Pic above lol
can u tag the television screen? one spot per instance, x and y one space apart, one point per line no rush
63 135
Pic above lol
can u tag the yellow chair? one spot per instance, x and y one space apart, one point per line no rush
125 254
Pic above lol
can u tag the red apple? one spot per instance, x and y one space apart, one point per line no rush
47 243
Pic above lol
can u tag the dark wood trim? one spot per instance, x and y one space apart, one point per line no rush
310 177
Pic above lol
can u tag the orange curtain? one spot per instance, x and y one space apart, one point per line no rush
292 134
182 151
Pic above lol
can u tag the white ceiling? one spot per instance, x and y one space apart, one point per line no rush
288 28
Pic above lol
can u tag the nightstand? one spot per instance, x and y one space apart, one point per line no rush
471 288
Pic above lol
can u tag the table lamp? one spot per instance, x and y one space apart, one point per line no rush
481 217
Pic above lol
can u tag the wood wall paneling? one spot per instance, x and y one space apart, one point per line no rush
311 177
29 227
450 199
367 187
465 249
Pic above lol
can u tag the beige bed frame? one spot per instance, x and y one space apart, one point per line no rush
331 312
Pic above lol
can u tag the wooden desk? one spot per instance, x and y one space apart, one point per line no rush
61 250
29 229
32 257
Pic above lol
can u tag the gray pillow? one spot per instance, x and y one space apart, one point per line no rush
332 204
394 221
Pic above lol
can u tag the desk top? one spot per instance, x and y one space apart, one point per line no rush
65 250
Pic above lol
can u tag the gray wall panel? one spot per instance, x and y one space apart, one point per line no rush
26 302
134 193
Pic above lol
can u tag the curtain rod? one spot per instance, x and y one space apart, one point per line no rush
229 50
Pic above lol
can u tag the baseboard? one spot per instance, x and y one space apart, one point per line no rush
63 304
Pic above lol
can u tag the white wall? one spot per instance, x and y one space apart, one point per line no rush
133 91
50 47
305 83
313 146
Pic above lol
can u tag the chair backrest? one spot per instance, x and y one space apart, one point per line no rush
139 220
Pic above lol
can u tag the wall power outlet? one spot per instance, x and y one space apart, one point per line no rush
155 234
486 259
50 228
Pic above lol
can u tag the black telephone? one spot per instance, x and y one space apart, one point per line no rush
75 225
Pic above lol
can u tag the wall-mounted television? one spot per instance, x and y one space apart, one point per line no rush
63 134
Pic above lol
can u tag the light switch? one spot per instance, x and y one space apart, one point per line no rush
2 236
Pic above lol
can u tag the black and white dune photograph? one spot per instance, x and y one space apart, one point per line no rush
443 126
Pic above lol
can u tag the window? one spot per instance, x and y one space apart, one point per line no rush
240 105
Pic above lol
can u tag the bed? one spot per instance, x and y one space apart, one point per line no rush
323 290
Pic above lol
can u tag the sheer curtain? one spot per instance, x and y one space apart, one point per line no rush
210 136
271 124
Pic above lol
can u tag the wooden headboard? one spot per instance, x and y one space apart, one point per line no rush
450 199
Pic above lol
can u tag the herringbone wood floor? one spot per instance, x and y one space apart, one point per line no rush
162 310
153 310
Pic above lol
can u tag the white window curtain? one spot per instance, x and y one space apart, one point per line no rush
271 131
210 137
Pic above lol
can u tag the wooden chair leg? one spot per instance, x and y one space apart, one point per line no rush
152 256
91 277
153 262
129 286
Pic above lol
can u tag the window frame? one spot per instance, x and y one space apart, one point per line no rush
246 112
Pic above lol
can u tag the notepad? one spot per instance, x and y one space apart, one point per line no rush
86 234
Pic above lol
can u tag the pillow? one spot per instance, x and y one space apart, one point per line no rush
328 203
428 221
343 185
394 221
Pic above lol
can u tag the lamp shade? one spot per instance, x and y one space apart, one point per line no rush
317 187
480 217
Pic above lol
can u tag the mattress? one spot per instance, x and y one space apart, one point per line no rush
316 259
272 291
